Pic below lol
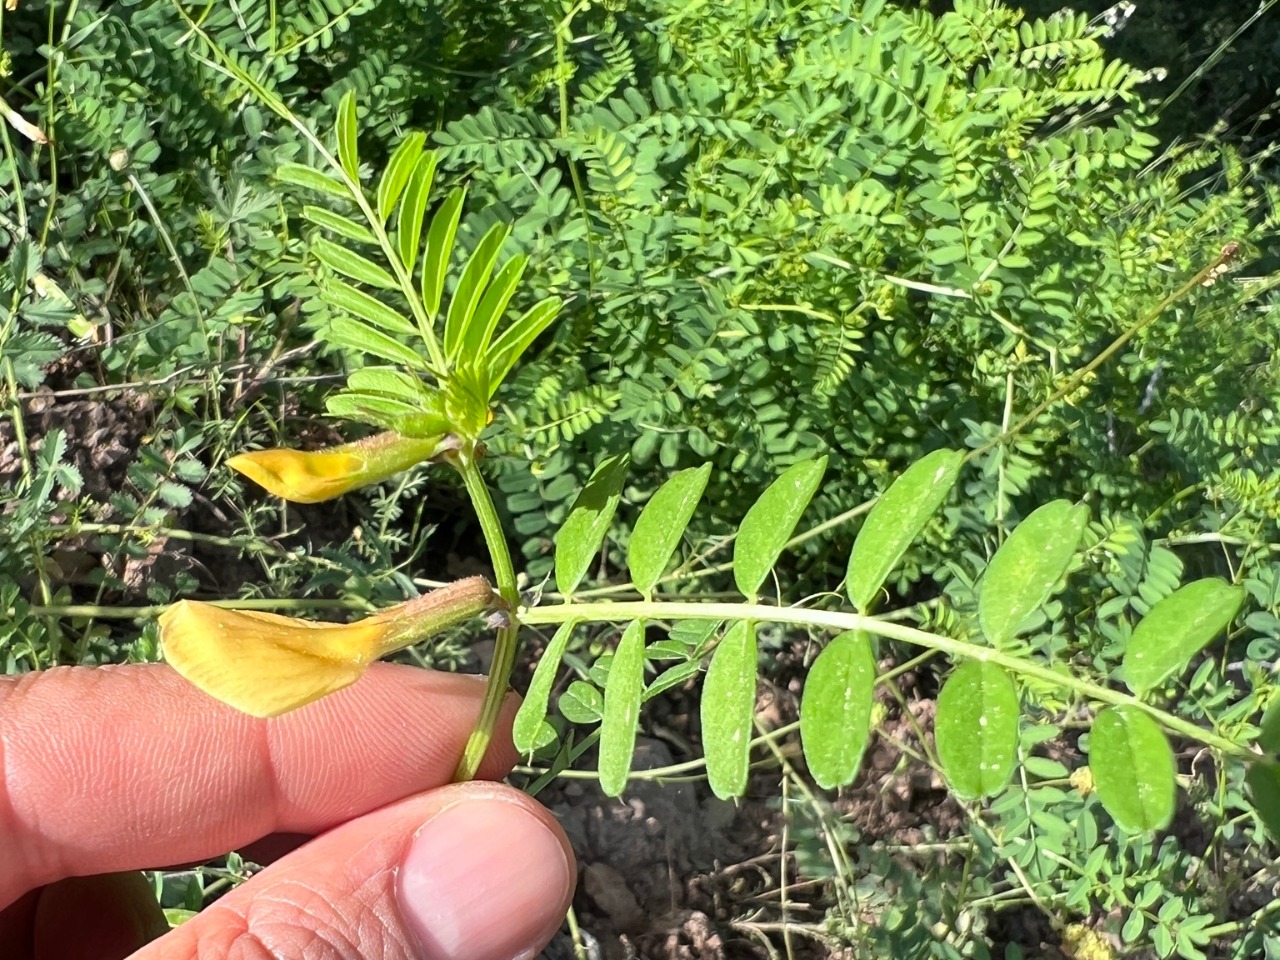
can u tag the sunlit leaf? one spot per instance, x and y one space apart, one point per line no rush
440 236
346 332
346 131
300 175
1027 567
390 381
622 699
396 176
581 703
1133 769
516 339
349 264
493 305
661 525
533 709
770 522
728 708
675 676
835 713
1176 628
896 520
413 209
340 225
582 534
471 284
977 729
349 299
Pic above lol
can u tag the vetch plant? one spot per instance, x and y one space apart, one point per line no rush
437 371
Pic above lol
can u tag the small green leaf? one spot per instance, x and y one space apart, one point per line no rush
1269 729
390 381
770 522
343 261
1176 629
621 710
661 525
340 294
977 729
1026 568
675 676
346 332
515 340
1133 769
584 531
471 284
396 176
440 236
1263 778
300 175
728 707
413 209
533 710
350 404
581 703
346 130
896 520
835 713
340 225
492 306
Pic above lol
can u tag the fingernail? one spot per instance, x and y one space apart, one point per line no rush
484 879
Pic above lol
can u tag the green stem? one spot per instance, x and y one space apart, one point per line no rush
504 653
836 620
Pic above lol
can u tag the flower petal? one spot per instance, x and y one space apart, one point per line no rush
298 475
261 663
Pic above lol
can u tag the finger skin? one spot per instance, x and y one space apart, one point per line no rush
335 898
126 767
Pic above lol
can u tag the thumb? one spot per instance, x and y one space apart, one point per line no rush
474 871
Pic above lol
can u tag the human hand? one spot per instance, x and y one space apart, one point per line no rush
109 770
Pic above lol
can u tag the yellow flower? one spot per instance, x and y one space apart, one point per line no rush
312 476
265 664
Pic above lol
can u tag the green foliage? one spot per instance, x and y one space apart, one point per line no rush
795 244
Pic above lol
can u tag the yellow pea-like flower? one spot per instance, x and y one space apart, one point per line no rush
312 476
265 664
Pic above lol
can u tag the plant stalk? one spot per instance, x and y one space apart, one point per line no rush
840 621
504 652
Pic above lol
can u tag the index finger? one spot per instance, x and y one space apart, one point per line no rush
127 767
